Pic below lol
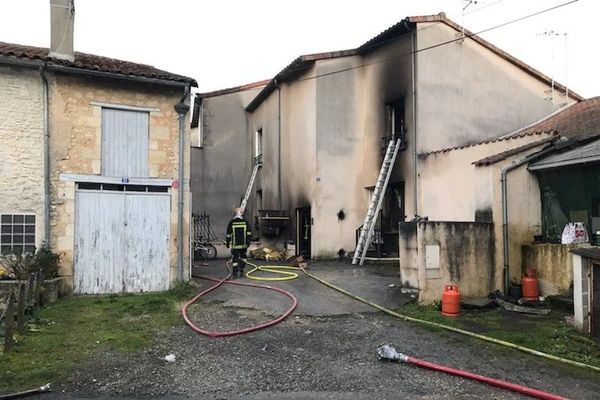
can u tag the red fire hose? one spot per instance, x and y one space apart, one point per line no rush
388 352
195 328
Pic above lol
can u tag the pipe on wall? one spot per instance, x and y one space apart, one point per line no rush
181 108
46 145
414 121
279 202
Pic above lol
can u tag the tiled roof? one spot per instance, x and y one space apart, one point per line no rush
578 122
514 151
91 62
302 63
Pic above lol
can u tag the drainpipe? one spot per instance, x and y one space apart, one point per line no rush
182 108
279 202
414 118
503 179
46 145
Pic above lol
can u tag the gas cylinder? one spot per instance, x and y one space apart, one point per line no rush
450 301
530 286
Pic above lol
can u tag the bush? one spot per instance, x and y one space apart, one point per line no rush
21 266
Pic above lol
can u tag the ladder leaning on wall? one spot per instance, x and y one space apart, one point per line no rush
366 233
257 165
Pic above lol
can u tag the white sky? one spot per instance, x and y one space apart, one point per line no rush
226 43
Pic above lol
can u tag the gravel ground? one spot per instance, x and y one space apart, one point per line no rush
315 357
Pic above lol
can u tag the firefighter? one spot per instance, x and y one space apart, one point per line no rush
239 235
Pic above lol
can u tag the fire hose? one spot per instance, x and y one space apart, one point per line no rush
219 282
389 353
453 329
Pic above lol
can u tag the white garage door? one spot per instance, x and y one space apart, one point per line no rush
121 238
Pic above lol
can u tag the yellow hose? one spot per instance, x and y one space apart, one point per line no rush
275 269
452 329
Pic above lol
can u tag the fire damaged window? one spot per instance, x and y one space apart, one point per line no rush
258 145
17 233
396 127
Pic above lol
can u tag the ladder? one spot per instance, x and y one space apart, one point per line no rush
257 165
366 231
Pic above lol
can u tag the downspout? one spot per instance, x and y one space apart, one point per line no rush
503 179
182 108
414 118
279 202
46 145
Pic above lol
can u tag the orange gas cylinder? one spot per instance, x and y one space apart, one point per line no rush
450 301
530 286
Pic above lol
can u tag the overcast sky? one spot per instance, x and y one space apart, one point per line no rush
226 43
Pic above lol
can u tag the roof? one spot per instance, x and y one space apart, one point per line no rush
583 154
293 71
578 121
90 62
303 63
514 151
235 89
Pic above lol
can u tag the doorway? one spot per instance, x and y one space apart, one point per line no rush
303 232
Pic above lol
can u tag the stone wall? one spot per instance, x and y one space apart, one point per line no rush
75 131
21 149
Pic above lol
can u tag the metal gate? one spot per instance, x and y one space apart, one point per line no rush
121 238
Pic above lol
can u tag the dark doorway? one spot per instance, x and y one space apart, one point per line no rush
596 300
303 232
393 207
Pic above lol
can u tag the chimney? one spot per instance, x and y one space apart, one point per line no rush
62 18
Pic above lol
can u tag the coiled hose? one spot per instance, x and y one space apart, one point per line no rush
219 282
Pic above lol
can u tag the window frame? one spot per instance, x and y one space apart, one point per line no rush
28 238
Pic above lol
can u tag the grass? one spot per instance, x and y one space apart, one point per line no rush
550 334
73 330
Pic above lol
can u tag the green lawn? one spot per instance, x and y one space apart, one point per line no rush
74 329
550 334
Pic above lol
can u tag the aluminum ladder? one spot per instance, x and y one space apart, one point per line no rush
257 165
366 233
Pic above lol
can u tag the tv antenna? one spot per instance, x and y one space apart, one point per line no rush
553 35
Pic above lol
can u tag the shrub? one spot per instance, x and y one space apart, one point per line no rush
21 266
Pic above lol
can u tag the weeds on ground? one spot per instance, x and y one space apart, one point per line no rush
72 330
549 334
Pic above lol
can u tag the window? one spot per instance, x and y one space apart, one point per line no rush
125 143
17 233
258 145
396 123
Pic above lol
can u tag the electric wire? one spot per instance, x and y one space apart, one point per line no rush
445 43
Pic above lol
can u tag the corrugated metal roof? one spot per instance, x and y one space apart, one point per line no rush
581 155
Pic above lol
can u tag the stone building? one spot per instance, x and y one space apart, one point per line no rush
95 163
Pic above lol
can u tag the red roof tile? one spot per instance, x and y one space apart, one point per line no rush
578 121
91 62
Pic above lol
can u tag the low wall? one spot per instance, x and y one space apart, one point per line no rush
554 266
461 253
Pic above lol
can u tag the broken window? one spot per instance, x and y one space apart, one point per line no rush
396 127
258 145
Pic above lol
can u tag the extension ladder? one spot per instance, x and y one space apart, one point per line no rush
366 232
257 165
